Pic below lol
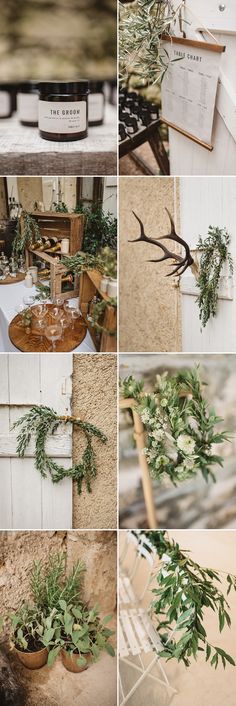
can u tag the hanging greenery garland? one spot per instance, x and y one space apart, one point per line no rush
214 254
180 427
97 314
27 232
184 591
43 422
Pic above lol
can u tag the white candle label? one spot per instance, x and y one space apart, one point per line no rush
96 106
5 104
68 117
27 104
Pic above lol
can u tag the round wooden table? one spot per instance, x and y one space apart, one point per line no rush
30 340
13 280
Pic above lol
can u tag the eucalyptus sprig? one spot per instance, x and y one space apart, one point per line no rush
43 422
214 254
140 47
97 315
179 424
185 589
27 232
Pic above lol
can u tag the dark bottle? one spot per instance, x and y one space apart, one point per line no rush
131 124
96 103
7 99
122 132
63 110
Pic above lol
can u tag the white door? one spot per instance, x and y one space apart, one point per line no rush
27 501
187 157
205 202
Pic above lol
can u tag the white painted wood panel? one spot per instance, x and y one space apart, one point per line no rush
27 501
204 202
186 157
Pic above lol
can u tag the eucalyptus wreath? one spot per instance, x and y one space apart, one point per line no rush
214 254
180 427
27 232
184 591
140 45
43 422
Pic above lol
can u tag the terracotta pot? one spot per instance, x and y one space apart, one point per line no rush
33 660
70 661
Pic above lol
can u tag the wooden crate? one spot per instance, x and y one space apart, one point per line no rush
89 287
59 225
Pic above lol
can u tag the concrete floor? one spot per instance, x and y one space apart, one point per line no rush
97 686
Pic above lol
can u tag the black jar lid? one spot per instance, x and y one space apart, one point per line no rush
8 85
96 85
28 86
64 88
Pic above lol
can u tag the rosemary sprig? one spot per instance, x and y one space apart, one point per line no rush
214 253
42 422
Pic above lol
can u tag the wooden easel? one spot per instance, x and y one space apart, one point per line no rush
139 436
151 135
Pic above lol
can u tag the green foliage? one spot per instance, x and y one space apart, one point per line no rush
43 292
79 631
44 421
96 317
184 591
60 207
50 584
26 628
180 426
25 236
100 229
104 262
214 255
141 28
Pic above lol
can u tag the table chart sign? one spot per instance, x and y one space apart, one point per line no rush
189 87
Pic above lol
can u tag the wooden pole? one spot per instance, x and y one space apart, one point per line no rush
139 436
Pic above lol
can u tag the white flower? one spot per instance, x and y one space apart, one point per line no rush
157 434
162 461
189 463
164 402
145 416
166 558
186 444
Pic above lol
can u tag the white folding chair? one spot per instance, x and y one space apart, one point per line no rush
137 634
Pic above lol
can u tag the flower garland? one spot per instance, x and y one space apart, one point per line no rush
180 427
44 421
184 591
214 253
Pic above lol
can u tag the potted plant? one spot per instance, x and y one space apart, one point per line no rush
26 626
83 635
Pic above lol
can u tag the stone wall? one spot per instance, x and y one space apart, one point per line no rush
150 317
94 399
58 39
19 549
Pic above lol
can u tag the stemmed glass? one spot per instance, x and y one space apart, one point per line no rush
40 312
73 310
53 332
56 312
29 300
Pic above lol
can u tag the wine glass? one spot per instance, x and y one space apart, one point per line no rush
53 332
58 301
29 300
73 310
56 312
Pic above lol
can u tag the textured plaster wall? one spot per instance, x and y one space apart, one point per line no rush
95 400
150 318
19 549
29 190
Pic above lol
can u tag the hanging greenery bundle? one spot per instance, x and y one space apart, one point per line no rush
44 421
104 262
97 315
180 427
185 589
27 232
214 254
140 47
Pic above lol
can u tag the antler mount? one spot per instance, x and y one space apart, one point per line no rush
183 262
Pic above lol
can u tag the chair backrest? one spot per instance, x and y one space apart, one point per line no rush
144 551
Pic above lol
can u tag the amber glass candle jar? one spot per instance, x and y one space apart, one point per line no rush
96 102
63 110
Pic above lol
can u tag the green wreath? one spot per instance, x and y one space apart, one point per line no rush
180 427
44 421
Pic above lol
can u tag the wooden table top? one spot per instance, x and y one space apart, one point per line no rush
13 280
30 340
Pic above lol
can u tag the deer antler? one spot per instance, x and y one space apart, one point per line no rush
183 261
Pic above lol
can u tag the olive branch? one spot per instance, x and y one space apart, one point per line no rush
184 591
214 253
43 422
